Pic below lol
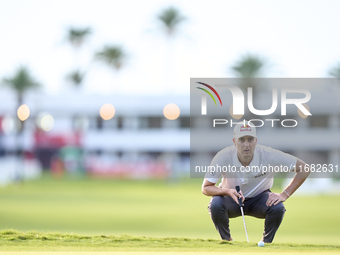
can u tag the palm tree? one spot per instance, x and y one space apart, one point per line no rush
21 82
335 71
170 18
76 77
249 66
113 56
77 36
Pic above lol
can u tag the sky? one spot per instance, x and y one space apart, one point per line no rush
297 39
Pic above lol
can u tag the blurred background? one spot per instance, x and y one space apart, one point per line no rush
95 105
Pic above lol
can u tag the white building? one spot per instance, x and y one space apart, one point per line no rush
139 132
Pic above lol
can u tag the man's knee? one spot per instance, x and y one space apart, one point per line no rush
277 210
216 205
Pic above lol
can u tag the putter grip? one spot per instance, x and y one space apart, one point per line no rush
239 199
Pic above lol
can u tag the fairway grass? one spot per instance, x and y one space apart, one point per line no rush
149 253
168 213
11 240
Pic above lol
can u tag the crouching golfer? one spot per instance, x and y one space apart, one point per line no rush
252 167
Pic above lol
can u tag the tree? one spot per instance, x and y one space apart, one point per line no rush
335 71
77 36
113 56
170 18
21 82
249 66
76 77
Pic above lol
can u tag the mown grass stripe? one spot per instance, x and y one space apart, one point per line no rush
12 240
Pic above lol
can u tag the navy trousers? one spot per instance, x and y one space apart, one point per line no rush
222 208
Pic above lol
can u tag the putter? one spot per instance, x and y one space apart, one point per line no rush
241 207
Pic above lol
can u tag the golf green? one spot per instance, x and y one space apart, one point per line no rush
152 209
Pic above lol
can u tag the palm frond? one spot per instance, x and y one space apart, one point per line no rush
76 77
77 36
171 18
21 81
249 66
112 55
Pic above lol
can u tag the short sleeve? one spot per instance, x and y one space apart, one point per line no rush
280 158
213 174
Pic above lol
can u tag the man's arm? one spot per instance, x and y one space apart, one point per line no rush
209 189
302 172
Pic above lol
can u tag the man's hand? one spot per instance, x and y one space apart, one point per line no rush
275 198
234 195
209 189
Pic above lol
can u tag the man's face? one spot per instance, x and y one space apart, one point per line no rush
245 145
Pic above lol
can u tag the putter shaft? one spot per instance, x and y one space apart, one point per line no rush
244 223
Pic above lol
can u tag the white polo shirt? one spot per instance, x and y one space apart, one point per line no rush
256 178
